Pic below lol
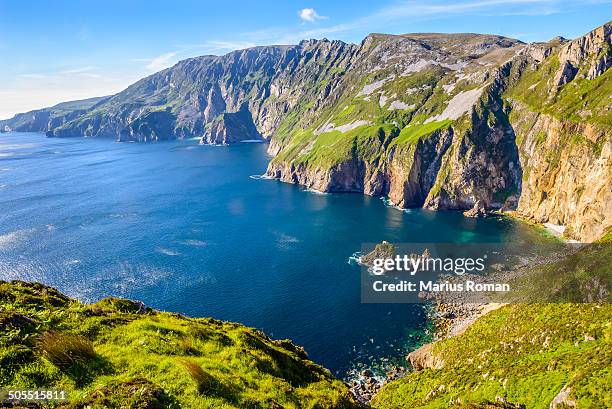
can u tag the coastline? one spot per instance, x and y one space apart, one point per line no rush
450 317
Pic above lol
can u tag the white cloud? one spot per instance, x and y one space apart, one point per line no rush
310 15
215 47
77 70
161 61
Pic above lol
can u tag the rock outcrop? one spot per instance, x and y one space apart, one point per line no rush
231 127
479 210
424 358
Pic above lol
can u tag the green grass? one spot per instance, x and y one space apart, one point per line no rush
526 353
119 351
413 133
580 100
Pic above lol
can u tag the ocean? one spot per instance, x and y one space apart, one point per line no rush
193 229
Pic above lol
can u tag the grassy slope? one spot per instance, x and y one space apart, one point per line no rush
580 100
525 353
156 359
301 145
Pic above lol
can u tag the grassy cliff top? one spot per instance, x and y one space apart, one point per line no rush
119 353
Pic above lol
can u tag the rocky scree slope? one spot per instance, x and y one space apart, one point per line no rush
443 121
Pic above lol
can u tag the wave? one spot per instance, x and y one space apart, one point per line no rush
167 252
192 242
258 177
252 141
388 203
315 191
355 258
284 239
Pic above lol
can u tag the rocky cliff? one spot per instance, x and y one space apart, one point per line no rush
562 116
443 121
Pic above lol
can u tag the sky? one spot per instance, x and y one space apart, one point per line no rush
64 50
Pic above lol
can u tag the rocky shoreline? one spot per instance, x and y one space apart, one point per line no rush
449 316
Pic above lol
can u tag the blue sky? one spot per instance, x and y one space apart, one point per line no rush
57 51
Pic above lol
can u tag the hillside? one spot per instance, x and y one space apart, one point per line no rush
552 352
42 120
441 121
119 353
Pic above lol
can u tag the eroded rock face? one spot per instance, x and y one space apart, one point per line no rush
231 127
479 210
567 171
424 358
590 49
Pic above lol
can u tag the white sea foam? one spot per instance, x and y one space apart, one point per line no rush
194 243
258 177
355 258
252 141
285 240
315 191
167 252
389 203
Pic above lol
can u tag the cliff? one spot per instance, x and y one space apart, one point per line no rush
443 121
231 127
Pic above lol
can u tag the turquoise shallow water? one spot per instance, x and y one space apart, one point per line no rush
184 228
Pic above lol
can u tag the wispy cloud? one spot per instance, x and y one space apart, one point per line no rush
310 15
77 70
72 72
161 61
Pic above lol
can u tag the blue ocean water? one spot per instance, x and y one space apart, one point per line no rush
185 228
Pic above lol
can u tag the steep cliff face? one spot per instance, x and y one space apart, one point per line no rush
412 168
482 162
530 132
231 127
437 99
562 116
180 102
443 121
567 170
